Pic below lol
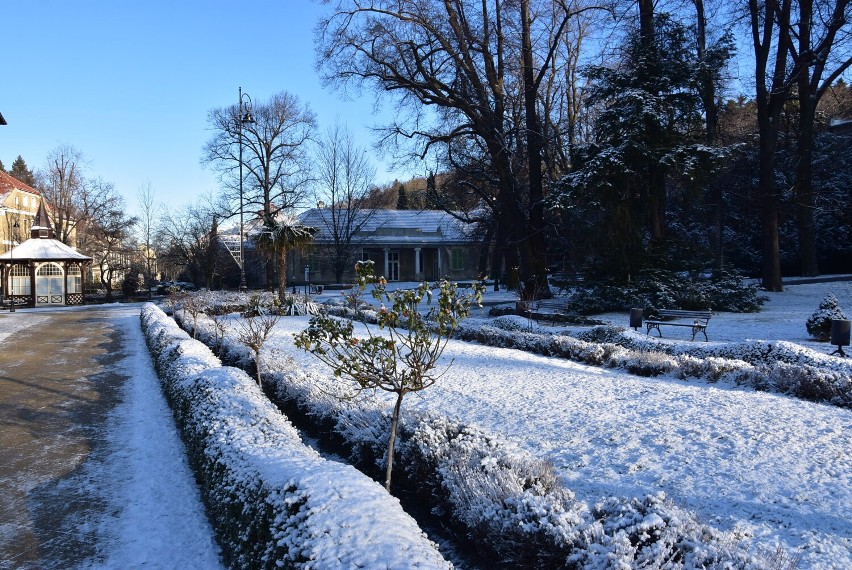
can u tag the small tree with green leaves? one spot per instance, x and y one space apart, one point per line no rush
405 357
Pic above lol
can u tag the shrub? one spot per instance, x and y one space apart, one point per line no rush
819 324
665 289
130 285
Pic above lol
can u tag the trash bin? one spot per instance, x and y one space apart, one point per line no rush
840 329
636 318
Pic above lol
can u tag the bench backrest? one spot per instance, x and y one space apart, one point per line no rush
678 314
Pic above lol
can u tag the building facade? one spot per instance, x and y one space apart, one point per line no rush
405 245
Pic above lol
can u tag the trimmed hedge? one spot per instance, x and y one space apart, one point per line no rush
273 501
497 498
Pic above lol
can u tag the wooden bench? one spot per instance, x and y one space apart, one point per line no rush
697 321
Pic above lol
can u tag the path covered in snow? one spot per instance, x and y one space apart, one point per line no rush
125 497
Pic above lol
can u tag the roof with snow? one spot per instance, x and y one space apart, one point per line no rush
42 246
388 227
9 183
44 249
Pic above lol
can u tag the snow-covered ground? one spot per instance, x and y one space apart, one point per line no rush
156 518
774 469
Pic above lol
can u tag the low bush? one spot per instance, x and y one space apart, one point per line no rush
819 324
667 290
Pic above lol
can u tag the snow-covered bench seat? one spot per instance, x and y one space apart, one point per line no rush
696 320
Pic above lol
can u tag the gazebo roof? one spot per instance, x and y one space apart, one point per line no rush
43 249
42 245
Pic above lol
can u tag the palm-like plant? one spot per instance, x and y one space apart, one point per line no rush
280 236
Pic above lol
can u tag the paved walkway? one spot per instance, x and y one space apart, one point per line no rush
63 375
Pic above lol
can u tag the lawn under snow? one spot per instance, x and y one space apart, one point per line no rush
769 467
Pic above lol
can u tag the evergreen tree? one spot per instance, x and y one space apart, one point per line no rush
2 168
21 172
819 324
402 199
649 128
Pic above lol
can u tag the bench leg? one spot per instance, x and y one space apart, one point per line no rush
652 327
696 330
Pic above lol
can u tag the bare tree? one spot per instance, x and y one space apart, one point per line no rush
457 68
823 29
185 239
253 332
148 217
771 41
344 177
63 184
274 156
106 232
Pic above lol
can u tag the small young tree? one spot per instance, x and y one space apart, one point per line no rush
253 332
819 324
405 358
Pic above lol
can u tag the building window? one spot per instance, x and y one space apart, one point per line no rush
20 280
313 262
457 259
75 279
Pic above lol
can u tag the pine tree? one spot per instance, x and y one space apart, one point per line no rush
21 172
402 200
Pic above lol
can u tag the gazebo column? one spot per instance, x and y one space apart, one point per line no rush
418 263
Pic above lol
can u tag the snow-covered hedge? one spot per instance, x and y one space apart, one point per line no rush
274 502
509 505
782 367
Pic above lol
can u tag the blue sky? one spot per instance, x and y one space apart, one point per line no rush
129 84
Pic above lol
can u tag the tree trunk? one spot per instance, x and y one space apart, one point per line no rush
392 439
764 28
282 273
536 243
711 126
804 187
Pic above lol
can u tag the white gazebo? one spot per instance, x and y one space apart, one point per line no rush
43 271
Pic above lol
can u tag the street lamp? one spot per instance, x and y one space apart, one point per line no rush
244 117
11 260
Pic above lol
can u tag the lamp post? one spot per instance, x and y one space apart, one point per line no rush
243 117
11 259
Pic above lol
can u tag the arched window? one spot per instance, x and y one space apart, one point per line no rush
75 279
20 280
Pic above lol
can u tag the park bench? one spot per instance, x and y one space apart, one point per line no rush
556 304
696 320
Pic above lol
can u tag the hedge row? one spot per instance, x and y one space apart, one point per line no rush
505 503
273 501
780 367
